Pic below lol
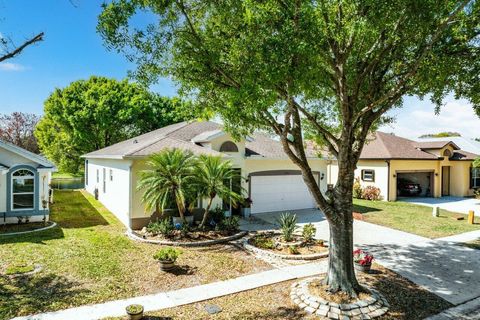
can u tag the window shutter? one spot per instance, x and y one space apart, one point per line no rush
471 177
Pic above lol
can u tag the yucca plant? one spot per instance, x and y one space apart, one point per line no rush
168 180
288 225
210 176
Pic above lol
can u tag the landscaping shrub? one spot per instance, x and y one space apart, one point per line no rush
263 242
217 215
357 189
308 232
230 224
371 193
163 227
167 254
288 225
293 250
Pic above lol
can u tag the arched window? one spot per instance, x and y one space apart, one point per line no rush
23 190
228 146
447 153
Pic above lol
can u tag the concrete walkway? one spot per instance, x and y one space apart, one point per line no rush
466 311
454 204
441 266
170 299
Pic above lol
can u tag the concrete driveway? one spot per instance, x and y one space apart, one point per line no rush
454 204
441 266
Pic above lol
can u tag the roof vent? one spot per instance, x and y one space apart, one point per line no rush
135 141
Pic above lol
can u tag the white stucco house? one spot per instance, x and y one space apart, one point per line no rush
271 180
24 184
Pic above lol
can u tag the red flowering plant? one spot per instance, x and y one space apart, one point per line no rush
362 257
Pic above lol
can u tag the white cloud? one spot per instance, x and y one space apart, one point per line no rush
8 66
457 116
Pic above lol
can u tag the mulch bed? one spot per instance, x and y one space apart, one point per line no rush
317 288
191 236
270 242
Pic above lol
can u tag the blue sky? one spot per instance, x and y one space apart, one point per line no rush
73 50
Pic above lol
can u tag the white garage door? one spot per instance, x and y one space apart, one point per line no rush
279 193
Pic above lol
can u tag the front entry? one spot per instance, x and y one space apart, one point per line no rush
445 181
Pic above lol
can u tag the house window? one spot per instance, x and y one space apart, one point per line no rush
23 190
86 172
228 146
111 175
447 153
104 180
475 180
98 176
368 175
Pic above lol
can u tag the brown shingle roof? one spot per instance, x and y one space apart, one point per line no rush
435 144
388 146
180 135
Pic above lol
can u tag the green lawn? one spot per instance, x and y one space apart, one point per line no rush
412 218
64 175
88 259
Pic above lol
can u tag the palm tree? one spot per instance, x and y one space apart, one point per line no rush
168 180
211 176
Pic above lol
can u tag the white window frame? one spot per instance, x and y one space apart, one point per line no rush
475 176
111 174
22 193
371 172
104 171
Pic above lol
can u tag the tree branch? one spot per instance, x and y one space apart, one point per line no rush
18 50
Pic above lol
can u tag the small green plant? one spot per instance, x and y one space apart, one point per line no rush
163 227
308 232
217 215
293 250
476 192
134 309
357 189
167 254
288 225
230 224
19 269
263 242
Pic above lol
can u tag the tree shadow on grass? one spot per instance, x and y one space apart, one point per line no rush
36 293
279 313
364 209
183 270
38 237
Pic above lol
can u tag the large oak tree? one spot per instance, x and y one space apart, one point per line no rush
92 114
329 67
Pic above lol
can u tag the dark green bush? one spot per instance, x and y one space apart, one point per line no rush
229 224
163 227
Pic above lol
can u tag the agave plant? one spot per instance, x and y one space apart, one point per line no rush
288 225
168 180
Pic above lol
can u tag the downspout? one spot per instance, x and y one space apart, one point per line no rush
130 196
388 179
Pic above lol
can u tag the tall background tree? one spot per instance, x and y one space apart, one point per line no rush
92 114
332 68
18 128
440 135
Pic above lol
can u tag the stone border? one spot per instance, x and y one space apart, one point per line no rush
370 308
37 269
53 225
263 252
133 235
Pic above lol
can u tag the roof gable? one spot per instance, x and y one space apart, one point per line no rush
25 154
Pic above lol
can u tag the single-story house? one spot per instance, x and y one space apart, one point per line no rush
271 180
24 184
440 167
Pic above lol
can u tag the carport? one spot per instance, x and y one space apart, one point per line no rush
423 178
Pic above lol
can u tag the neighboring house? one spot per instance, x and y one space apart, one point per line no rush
439 167
24 184
466 144
271 180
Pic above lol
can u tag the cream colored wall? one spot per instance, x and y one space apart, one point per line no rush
381 174
460 179
117 195
3 192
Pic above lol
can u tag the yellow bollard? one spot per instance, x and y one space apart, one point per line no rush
471 217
